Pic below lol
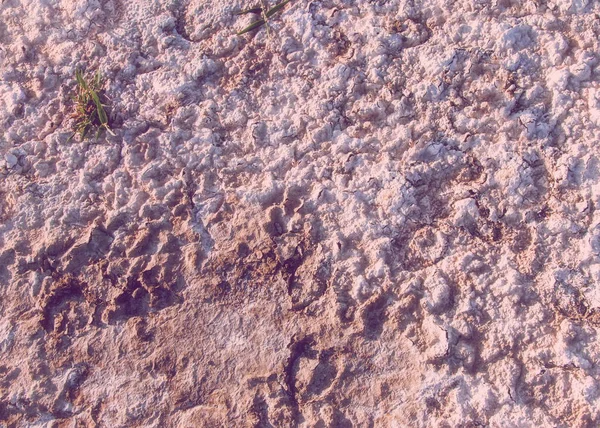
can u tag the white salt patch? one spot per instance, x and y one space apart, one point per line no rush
11 160
437 296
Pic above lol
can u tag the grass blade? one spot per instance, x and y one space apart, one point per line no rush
80 80
83 131
252 26
265 16
257 9
97 79
276 8
99 109
110 131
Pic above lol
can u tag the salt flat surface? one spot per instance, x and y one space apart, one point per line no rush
381 214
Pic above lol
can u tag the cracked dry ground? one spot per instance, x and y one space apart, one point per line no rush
384 216
135 325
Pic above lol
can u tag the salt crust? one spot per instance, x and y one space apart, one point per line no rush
384 214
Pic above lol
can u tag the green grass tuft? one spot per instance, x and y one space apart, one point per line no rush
89 110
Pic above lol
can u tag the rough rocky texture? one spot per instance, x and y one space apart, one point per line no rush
382 215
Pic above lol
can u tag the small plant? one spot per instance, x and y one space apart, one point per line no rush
89 110
266 14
